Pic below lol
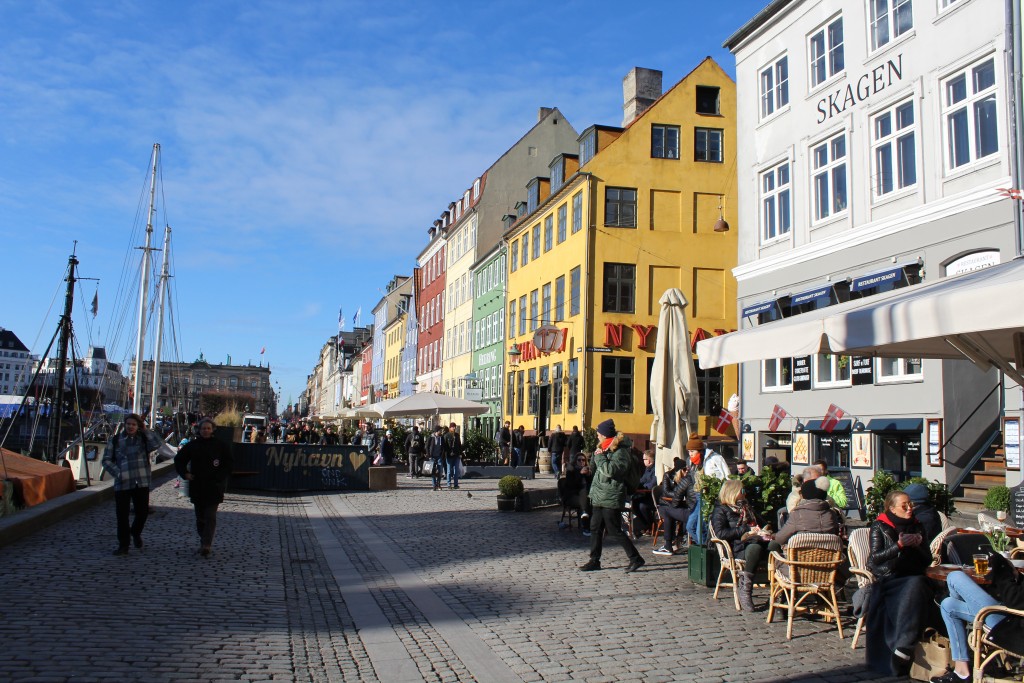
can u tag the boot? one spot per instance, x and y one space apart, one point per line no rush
746 589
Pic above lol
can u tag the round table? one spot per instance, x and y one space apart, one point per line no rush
939 573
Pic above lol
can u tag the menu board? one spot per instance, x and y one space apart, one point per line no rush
802 373
1011 442
1017 506
862 370
844 476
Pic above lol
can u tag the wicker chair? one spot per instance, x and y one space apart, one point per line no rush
984 649
858 550
728 565
808 569
658 523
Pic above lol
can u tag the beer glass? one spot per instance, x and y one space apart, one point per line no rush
981 564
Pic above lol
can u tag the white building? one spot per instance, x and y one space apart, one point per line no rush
15 364
873 140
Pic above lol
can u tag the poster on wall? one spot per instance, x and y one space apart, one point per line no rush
1011 442
802 448
748 446
933 432
860 450
802 373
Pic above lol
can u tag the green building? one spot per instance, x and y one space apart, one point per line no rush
488 335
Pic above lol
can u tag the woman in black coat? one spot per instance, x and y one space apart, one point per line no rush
901 598
735 522
205 462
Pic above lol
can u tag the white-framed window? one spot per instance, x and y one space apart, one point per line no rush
777 374
898 369
776 202
825 52
828 177
970 113
774 86
948 3
894 148
889 19
831 370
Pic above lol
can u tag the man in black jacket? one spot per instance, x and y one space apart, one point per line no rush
557 444
414 448
435 450
453 455
505 441
205 463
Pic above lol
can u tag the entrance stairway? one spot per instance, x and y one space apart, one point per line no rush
990 471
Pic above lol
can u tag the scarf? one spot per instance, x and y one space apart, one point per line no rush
901 525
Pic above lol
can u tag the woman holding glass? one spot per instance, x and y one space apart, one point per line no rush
734 522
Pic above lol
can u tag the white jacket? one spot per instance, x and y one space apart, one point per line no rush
715 465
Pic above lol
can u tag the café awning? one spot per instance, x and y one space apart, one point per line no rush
976 315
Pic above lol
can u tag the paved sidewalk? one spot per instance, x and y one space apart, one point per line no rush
404 585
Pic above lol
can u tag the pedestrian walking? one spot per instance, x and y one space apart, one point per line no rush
616 475
453 455
414 447
126 459
436 453
205 462
505 442
556 444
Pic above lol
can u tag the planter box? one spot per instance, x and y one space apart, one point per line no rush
703 565
506 504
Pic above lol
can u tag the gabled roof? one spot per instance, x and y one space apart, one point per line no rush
9 340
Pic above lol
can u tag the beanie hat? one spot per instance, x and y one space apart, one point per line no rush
695 444
810 491
607 429
918 493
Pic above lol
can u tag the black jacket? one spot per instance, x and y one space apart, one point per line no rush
575 441
725 520
209 461
684 495
452 445
435 447
887 559
414 443
505 436
557 443
1008 589
928 516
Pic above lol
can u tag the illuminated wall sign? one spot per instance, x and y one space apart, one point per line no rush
872 83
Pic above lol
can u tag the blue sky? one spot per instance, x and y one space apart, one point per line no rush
306 146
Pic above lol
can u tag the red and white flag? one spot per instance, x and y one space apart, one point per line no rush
778 415
263 350
724 419
832 417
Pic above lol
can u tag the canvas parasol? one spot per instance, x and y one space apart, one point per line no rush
673 388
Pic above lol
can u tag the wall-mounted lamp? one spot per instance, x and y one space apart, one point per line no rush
720 224
747 428
858 426
513 356
801 427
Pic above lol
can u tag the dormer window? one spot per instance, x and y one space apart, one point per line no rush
532 195
557 173
588 147
707 100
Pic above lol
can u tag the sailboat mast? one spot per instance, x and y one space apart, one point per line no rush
140 345
57 407
160 325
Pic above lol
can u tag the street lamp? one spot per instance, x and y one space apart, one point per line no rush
514 355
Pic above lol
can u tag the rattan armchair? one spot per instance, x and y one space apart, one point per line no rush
858 551
984 649
728 565
808 570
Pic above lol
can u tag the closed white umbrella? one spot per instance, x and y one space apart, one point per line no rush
673 388
424 404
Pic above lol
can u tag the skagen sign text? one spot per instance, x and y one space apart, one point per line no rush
871 83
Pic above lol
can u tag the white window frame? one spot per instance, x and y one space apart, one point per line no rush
777 363
774 86
774 196
903 374
832 359
891 144
967 105
829 169
832 52
888 18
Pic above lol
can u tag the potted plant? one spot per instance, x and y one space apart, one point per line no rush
510 488
702 561
998 500
1000 542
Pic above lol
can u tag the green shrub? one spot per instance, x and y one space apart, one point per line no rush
768 491
479 446
398 434
590 440
883 482
510 486
709 488
998 499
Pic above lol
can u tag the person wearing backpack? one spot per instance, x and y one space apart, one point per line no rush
414 448
616 475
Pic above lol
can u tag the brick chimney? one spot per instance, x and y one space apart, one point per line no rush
542 112
640 88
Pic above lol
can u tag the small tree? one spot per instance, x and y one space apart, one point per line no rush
590 440
510 486
478 445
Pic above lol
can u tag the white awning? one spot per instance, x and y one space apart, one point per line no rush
977 315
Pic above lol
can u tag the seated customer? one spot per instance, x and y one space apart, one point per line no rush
966 599
641 503
735 522
574 489
678 510
924 511
900 596
812 514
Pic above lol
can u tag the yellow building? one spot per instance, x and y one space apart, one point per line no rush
633 215
394 343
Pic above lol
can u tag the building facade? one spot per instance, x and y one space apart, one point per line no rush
15 364
606 232
394 303
488 336
873 143
182 385
431 283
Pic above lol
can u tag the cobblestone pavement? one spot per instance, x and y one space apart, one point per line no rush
389 586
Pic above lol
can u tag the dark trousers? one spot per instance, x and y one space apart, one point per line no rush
439 468
609 519
124 501
206 522
415 462
670 516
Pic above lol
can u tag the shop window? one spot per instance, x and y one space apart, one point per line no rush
833 448
616 384
650 372
709 388
900 455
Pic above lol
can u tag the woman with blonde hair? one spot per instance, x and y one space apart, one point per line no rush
736 523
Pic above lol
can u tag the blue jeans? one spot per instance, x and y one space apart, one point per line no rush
453 471
693 520
965 600
556 463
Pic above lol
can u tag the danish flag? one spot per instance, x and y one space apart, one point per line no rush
1011 192
832 417
724 419
778 415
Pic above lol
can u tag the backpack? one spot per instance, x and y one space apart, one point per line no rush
634 474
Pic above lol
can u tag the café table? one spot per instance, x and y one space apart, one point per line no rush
940 572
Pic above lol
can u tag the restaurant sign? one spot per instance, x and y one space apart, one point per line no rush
299 467
802 373
862 370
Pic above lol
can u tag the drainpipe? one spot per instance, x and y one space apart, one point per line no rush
1015 98
588 319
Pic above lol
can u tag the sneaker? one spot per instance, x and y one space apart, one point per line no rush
949 677
586 532
636 564
121 551
591 566
663 550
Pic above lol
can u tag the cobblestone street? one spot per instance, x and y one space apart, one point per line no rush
404 585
